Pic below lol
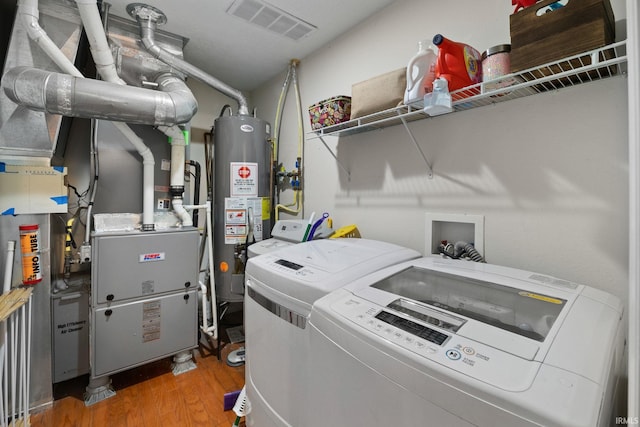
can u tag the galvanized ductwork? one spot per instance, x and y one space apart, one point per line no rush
78 97
72 95
148 18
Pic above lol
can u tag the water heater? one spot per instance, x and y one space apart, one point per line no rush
242 200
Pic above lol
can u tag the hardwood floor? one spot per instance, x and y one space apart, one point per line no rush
152 396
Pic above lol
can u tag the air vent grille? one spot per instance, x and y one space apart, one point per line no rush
271 18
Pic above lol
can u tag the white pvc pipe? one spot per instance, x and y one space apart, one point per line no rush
29 330
22 386
98 43
106 67
29 16
147 174
178 145
212 330
28 9
205 314
14 358
214 302
180 211
8 271
5 376
633 89
177 161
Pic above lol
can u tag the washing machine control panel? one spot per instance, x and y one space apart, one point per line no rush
289 264
444 347
289 268
412 327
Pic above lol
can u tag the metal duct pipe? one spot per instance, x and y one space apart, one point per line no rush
148 17
58 93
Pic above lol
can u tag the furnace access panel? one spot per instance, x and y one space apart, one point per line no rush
144 301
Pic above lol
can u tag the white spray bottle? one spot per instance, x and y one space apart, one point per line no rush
420 73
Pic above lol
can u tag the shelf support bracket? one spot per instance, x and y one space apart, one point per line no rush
335 157
415 142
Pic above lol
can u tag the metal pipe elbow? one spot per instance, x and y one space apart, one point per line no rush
184 103
23 86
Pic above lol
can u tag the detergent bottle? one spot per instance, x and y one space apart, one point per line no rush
420 73
459 63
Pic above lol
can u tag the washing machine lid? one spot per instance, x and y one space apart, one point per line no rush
517 310
265 246
310 270
504 308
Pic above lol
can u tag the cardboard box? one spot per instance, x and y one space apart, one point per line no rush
379 93
541 34
32 189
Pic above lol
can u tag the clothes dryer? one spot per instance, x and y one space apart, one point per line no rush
281 287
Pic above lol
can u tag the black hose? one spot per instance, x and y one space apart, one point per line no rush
196 191
225 107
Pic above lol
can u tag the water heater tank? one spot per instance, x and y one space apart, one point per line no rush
242 199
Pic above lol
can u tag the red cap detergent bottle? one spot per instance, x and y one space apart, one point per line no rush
459 63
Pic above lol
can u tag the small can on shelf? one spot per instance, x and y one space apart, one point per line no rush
330 112
496 63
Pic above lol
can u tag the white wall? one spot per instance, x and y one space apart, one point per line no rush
549 173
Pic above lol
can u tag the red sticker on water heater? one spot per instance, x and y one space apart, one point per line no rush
244 172
244 179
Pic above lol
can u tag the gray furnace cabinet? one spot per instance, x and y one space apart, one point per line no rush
144 297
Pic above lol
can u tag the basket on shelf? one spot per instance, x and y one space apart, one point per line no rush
330 112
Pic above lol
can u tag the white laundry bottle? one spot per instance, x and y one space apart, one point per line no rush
420 73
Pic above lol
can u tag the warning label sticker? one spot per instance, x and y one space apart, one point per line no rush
244 179
236 216
151 321
237 221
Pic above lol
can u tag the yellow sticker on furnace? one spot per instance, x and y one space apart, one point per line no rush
540 297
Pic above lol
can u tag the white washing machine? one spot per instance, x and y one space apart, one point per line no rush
280 288
285 233
435 342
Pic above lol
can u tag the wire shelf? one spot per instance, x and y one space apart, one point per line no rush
597 64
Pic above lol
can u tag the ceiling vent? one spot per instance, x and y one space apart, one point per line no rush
271 18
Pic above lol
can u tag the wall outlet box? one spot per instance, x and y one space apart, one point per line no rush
453 228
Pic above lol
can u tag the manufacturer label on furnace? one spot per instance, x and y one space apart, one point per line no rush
151 257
